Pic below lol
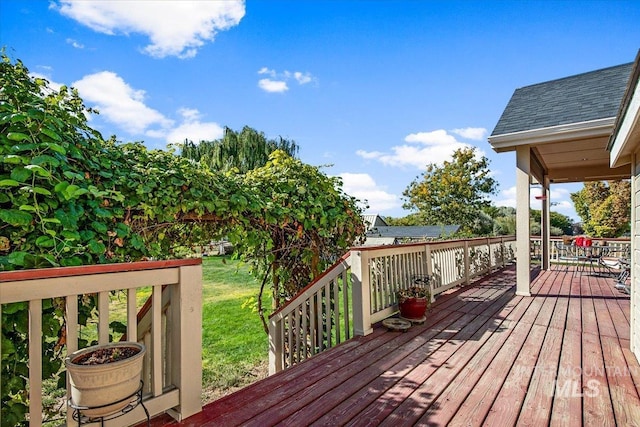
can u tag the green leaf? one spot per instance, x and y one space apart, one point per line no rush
12 159
15 217
99 227
17 136
45 242
44 159
57 148
51 220
20 174
38 170
51 134
9 183
40 190
96 247
17 258
27 208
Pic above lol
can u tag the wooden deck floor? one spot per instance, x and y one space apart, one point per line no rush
484 357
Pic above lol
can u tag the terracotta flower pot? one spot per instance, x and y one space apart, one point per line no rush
101 384
413 308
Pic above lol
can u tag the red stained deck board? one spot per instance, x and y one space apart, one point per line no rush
448 402
425 394
479 401
623 392
492 361
567 402
536 409
304 409
508 403
597 408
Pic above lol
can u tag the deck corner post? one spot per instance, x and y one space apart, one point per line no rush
275 347
186 339
361 294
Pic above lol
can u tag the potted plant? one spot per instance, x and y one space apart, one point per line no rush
102 377
413 302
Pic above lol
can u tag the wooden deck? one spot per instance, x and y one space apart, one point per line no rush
484 357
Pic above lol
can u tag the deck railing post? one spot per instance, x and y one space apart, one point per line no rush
275 346
186 341
467 263
429 269
361 293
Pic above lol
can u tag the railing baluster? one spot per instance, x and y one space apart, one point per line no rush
132 315
71 308
336 309
35 363
346 292
156 340
313 304
305 331
327 314
103 317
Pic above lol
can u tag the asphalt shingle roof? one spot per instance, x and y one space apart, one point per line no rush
584 97
415 232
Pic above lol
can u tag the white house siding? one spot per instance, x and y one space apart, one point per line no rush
635 247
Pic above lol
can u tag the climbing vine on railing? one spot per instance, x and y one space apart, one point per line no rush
68 197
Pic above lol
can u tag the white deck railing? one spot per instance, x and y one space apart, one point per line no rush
360 290
624 245
171 327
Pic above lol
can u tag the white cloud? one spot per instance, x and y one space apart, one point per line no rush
75 44
277 82
194 130
426 147
119 103
363 187
476 134
265 70
174 28
302 78
269 85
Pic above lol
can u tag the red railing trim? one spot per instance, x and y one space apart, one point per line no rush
44 273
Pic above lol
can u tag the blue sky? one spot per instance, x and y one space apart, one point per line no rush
377 89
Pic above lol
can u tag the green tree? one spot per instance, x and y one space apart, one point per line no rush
243 151
604 207
560 224
454 193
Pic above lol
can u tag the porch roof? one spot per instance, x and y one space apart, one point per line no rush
567 122
625 138
484 357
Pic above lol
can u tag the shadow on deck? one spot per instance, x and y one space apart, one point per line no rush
484 357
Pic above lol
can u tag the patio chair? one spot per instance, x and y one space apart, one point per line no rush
617 267
566 256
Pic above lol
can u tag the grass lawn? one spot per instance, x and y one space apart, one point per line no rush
234 344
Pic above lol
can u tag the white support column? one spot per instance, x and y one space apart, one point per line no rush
361 293
523 169
545 225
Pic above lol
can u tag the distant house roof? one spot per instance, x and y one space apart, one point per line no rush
576 99
373 221
412 232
